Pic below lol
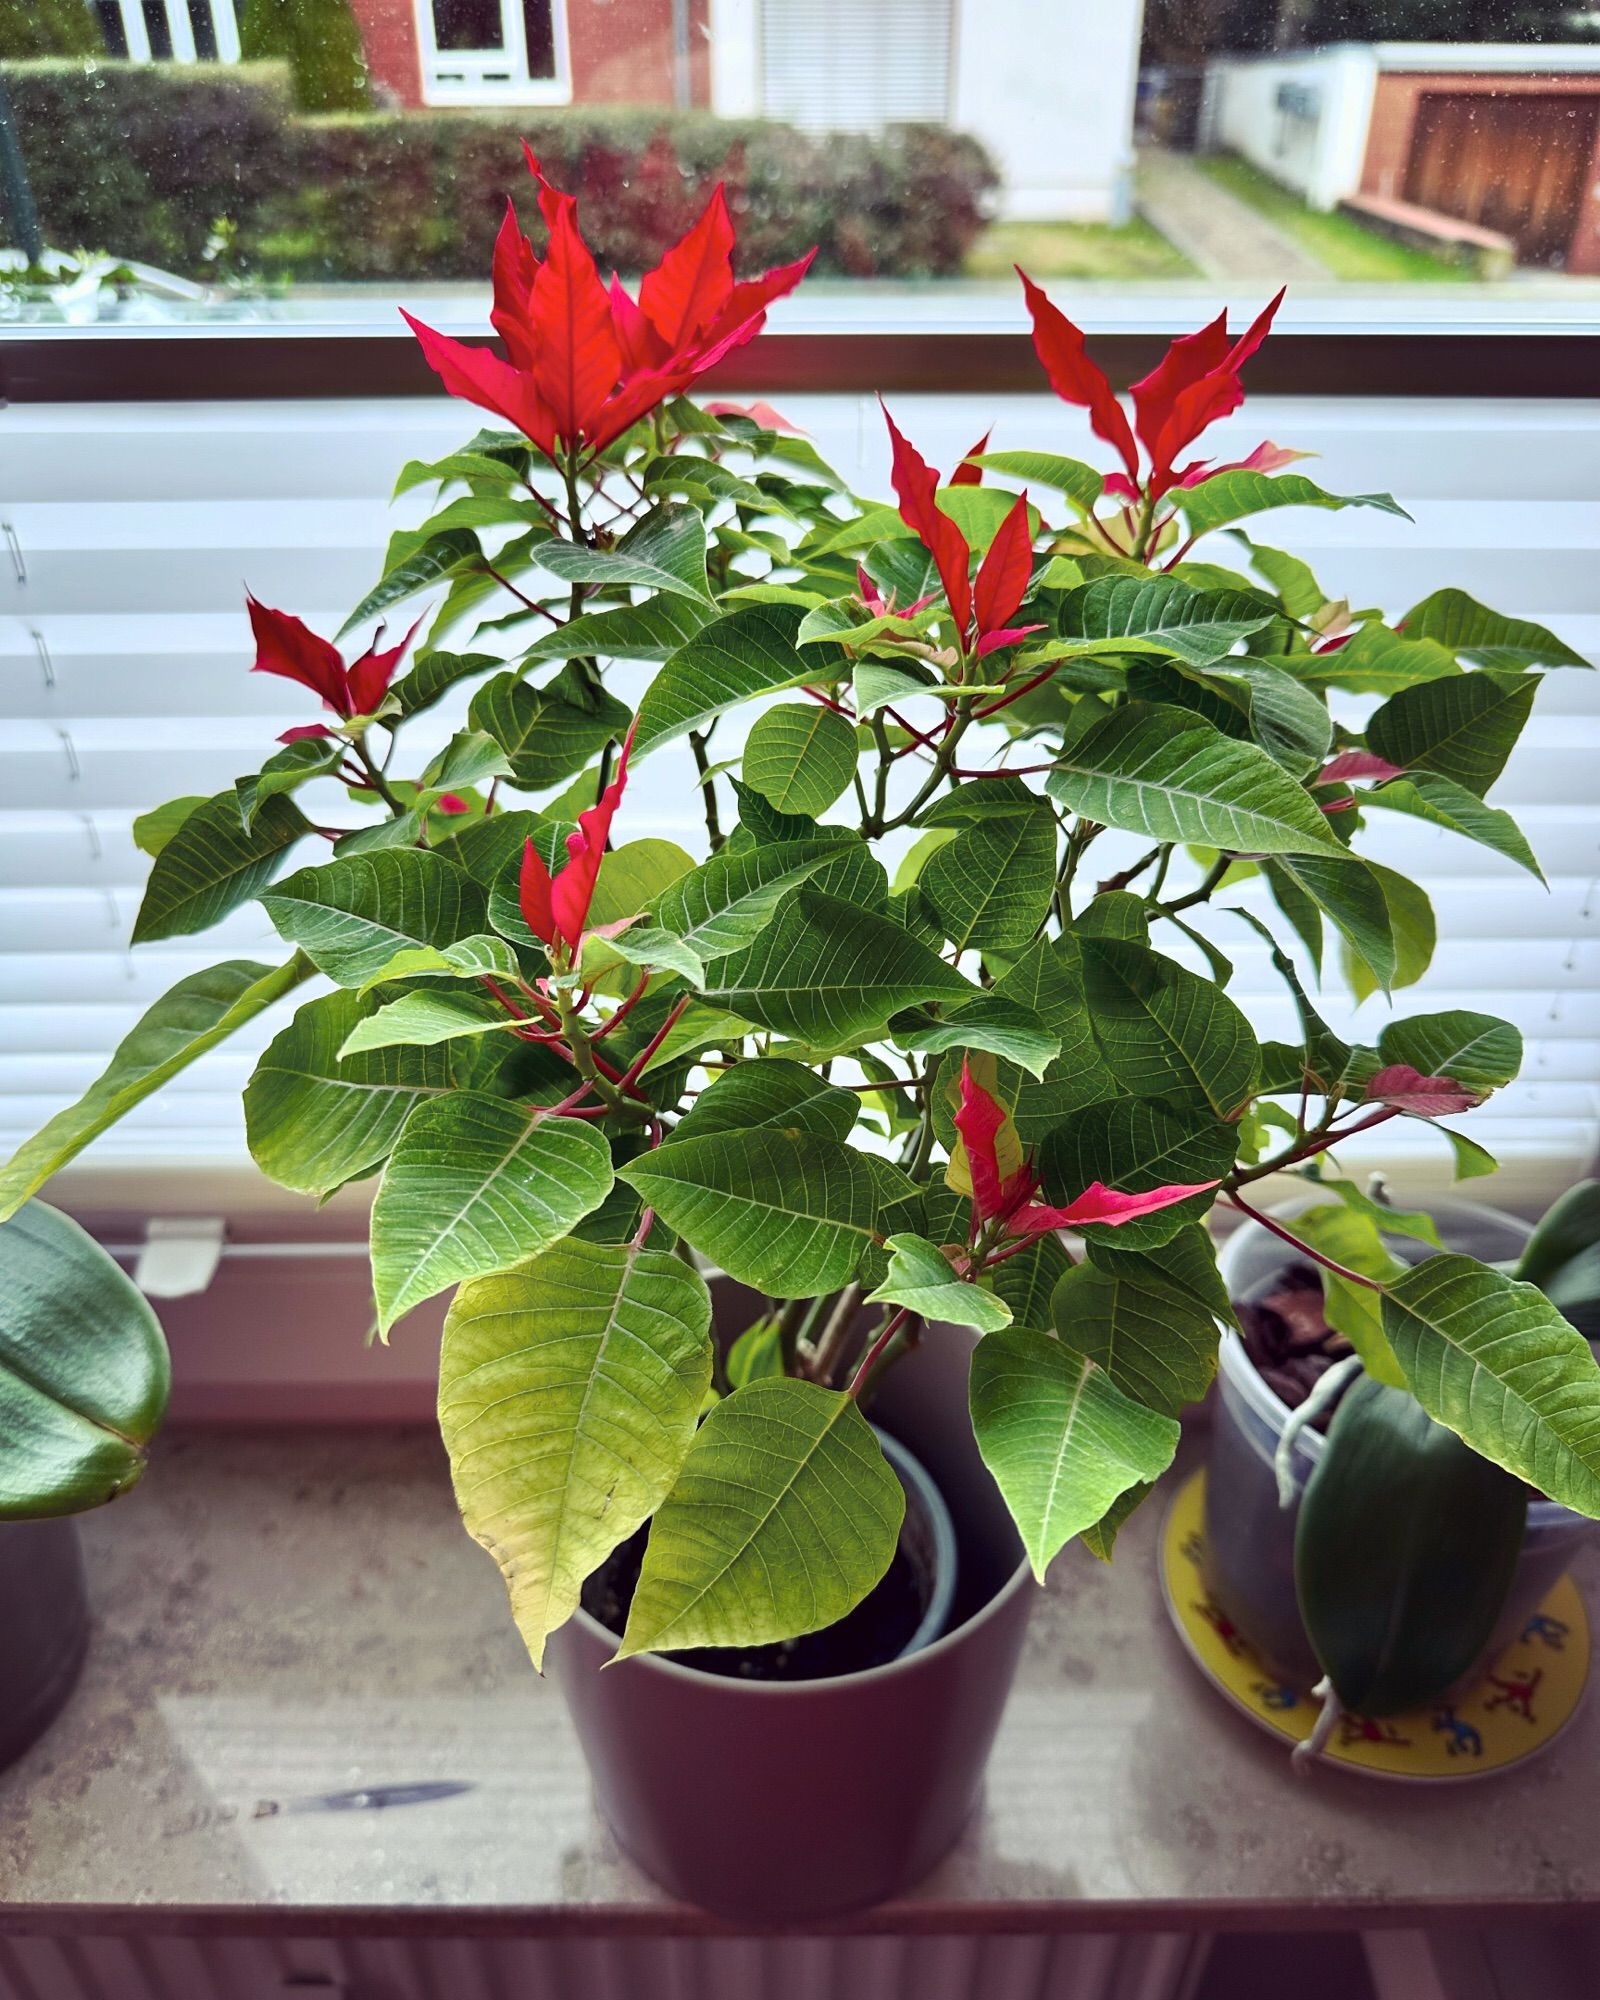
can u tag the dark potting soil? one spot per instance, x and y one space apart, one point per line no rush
870 1636
1287 1336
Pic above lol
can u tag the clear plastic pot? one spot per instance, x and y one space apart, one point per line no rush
1249 1537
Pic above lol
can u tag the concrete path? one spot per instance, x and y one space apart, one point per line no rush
1220 235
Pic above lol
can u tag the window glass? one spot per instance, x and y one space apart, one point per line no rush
1392 161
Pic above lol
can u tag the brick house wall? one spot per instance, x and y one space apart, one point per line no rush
620 51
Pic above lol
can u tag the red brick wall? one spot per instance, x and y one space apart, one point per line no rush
389 31
621 50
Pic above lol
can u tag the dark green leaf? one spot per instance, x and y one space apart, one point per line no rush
212 864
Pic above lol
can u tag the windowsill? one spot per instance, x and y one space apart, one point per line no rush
332 1630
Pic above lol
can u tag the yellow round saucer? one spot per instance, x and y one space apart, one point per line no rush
1520 1706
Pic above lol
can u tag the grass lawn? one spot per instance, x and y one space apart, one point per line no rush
1347 247
1076 250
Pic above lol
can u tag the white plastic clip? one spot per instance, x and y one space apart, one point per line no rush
179 1255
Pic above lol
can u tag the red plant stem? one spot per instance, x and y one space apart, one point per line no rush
924 738
631 1075
1016 694
505 1000
828 701
622 1012
521 596
646 1222
1325 1143
1305 1249
890 1328
1003 771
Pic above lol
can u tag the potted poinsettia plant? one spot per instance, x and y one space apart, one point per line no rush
945 1142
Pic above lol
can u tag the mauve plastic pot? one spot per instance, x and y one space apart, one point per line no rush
44 1627
1250 1538
771 1801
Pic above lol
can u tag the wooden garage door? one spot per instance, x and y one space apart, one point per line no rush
1514 162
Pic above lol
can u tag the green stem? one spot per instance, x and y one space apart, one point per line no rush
1213 878
379 783
708 789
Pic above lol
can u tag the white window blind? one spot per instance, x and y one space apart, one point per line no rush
855 65
124 657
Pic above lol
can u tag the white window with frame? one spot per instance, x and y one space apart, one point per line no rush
183 31
494 51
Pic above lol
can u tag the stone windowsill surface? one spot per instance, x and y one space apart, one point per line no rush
284 1616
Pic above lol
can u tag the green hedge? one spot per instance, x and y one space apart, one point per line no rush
141 161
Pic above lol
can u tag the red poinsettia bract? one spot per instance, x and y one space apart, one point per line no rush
285 645
587 361
1007 1197
556 909
978 608
1196 382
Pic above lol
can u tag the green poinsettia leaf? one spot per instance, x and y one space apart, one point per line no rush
666 551
1161 772
751 1545
569 1390
1235 495
991 1022
770 1091
1061 1439
1478 1050
212 863
920 1278
751 651
990 887
316 1117
786 1210
800 756
1161 614
1457 622
1163 1031
1442 802
286 771
475 1184
353 915
549 733
188 1019
729 900
829 973
1464 727
423 1018
1081 483
1412 929
1493 1360
1135 1144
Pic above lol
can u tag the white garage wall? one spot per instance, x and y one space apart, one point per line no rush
123 681
1302 117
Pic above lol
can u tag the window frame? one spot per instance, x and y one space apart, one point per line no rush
180 31
440 94
195 363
